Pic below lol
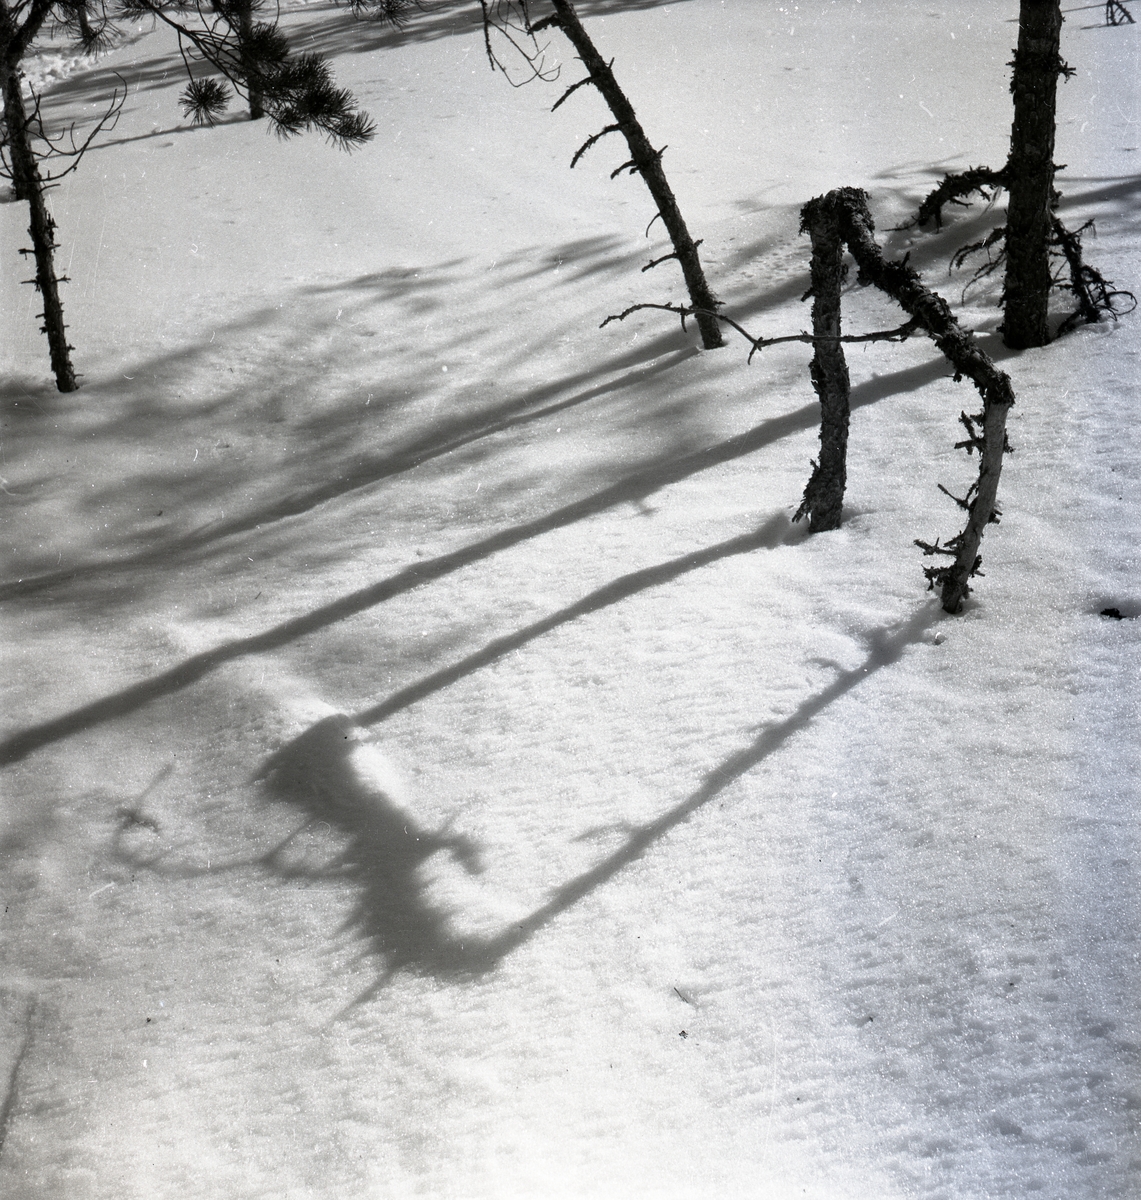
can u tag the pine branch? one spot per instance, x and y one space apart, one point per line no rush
204 100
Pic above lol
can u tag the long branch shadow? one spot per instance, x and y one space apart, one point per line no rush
171 131
371 841
191 670
776 531
97 83
1119 192
634 488
448 958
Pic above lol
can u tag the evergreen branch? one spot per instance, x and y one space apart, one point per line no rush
204 100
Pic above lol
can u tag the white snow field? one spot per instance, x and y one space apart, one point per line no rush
435 765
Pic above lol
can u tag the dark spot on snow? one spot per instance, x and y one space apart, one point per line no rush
1101 1029
862 1021
129 818
1118 610
683 1034
1008 1128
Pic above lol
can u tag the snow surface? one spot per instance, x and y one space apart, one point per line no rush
438 767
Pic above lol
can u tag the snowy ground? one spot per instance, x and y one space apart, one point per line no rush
660 851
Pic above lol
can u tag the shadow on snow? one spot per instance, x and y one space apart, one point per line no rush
634 488
367 840
331 30
338 459
392 912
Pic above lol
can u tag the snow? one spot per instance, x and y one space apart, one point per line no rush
437 765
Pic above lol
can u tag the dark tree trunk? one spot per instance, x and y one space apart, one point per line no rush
843 216
824 495
647 162
987 433
1030 174
29 186
244 9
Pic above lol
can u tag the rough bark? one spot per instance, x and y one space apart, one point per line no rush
824 495
647 162
987 432
29 186
1029 174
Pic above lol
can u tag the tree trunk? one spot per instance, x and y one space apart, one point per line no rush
1030 174
244 10
29 186
986 433
647 161
824 495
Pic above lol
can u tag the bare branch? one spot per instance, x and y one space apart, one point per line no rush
664 258
105 124
590 141
570 91
900 334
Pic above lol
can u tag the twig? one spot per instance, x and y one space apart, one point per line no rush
590 141
900 334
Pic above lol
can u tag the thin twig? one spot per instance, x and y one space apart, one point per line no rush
900 334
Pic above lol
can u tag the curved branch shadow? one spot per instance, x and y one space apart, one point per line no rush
635 487
320 773
452 959
776 531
